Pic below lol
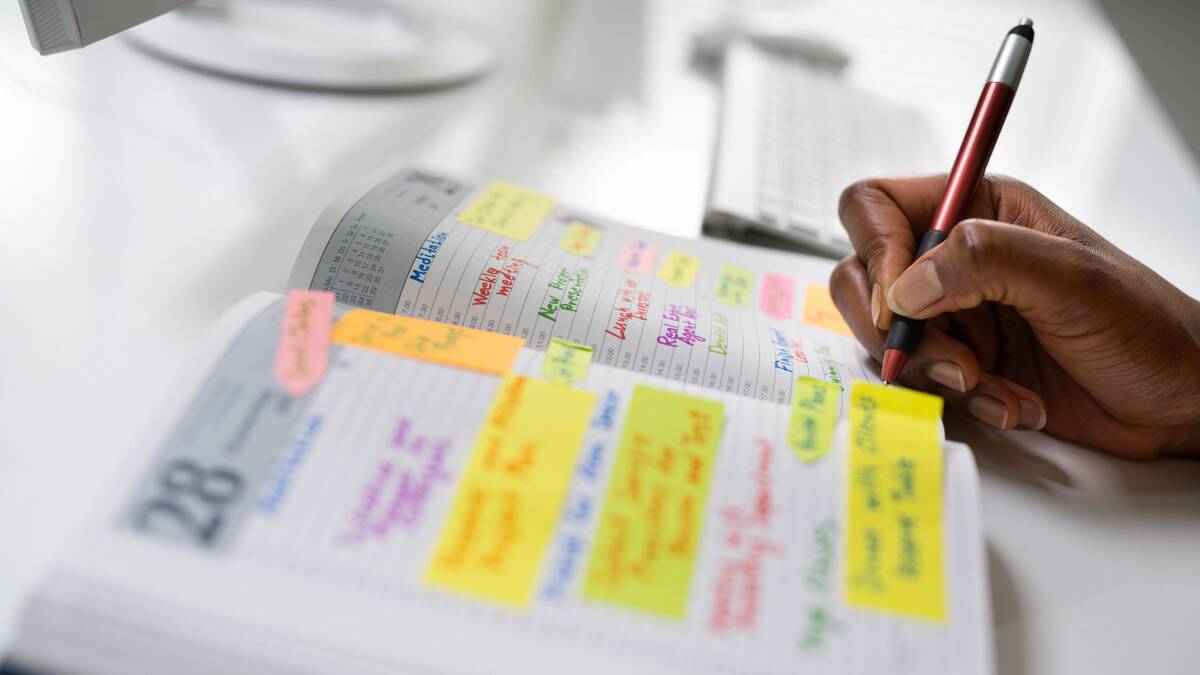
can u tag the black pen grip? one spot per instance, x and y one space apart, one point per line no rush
905 332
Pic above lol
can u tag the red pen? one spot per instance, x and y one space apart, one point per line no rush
965 175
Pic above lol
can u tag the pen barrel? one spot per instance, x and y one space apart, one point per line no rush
973 155
905 332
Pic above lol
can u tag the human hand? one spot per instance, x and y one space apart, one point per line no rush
1034 319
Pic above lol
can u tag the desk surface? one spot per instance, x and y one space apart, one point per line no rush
142 200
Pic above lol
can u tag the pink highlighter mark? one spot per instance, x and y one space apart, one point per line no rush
637 257
778 296
303 350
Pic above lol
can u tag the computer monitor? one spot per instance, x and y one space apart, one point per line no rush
59 25
345 45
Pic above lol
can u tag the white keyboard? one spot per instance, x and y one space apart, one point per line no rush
792 137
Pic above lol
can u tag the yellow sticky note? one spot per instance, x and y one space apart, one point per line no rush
679 269
894 503
566 362
508 210
429 340
814 415
581 239
646 544
820 311
512 492
734 286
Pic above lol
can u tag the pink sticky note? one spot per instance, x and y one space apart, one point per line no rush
303 350
778 296
637 257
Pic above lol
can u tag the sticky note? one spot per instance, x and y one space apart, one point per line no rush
813 418
646 545
508 210
679 269
429 340
893 557
302 353
512 492
777 296
820 311
637 257
734 286
566 362
581 239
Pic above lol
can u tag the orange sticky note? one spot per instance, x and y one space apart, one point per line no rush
820 311
429 340
302 354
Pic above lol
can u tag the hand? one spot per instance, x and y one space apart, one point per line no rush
1035 320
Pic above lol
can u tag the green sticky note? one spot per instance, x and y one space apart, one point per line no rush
734 286
814 415
566 362
647 542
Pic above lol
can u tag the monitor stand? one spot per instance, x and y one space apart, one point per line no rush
339 45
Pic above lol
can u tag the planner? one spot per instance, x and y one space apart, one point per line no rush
487 432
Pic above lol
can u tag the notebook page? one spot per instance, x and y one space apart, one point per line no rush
701 311
324 566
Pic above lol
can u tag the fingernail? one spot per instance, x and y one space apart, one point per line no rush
916 289
988 410
1033 416
876 305
948 374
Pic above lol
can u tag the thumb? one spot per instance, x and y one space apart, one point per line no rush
984 260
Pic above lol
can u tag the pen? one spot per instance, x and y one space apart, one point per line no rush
965 175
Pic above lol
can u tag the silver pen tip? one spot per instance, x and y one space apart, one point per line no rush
1025 21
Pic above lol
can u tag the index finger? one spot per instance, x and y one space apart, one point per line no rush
885 218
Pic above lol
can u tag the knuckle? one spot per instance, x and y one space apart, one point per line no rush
976 240
977 250
1007 184
1018 202
873 248
842 277
860 193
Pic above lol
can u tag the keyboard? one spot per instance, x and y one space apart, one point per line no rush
792 136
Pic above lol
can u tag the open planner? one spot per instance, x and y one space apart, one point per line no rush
527 439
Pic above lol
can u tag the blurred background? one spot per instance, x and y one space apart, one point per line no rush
141 199
1161 36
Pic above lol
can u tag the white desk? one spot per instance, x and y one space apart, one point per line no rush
142 200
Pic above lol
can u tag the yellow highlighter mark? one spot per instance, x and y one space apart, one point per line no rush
512 492
581 239
566 362
813 418
508 210
734 286
429 340
646 545
679 269
894 503
820 311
